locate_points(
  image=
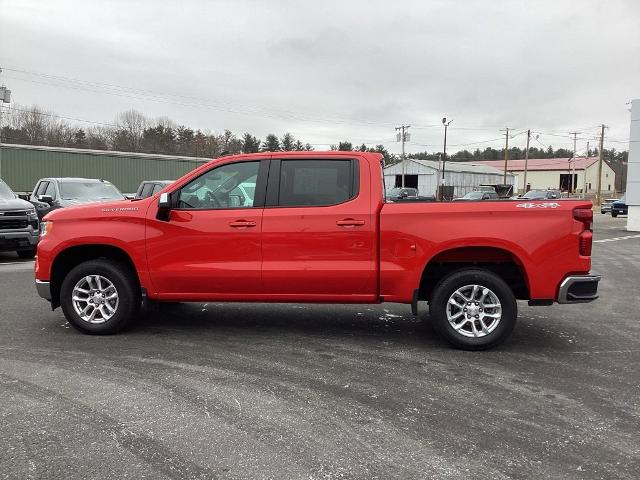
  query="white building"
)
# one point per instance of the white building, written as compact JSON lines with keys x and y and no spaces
{"x":555,"y":173}
{"x":425,"y":176}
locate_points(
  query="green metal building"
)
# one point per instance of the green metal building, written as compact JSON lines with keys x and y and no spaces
{"x":21,"y":166}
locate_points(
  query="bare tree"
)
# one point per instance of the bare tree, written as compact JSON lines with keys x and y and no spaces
{"x":130,"y":127}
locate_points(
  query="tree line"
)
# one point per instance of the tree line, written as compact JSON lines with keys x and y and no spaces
{"x":132,"y":131}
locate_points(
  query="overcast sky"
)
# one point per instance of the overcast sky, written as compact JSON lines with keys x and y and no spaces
{"x":328,"y":71}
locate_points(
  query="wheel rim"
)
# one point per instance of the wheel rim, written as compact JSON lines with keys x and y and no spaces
{"x":95,"y":299}
{"x":474,"y":311}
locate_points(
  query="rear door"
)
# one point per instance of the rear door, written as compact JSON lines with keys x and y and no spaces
{"x":318,"y":232}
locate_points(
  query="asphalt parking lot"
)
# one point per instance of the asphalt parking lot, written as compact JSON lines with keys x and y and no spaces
{"x":324,"y":392}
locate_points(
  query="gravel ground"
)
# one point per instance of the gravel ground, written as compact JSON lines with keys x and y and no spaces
{"x":232,"y":391}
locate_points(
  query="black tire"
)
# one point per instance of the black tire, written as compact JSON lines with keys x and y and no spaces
{"x":614,"y":214}
{"x":26,"y":254}
{"x":458,"y":279}
{"x":128,"y":289}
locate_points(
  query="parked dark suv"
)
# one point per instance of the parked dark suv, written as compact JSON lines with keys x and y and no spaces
{"x":620,"y":207}
{"x":150,"y":187}
{"x":19,"y":226}
{"x":53,"y":193}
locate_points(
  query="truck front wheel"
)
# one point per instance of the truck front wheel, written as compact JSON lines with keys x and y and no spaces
{"x":473,"y":309}
{"x":100,"y":297}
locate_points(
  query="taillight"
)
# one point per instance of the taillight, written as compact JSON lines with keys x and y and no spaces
{"x":585,"y":215}
{"x":586,"y":238}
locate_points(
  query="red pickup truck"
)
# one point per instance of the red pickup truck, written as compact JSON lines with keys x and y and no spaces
{"x":314,"y":227}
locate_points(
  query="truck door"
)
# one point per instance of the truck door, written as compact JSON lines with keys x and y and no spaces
{"x":318,"y":231}
{"x":210,"y":245}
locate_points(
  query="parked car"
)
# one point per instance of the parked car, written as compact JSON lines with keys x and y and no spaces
{"x":150,"y":187}
{"x":539,"y":195}
{"x":53,"y":193}
{"x":503,"y":191}
{"x":19,"y":226}
{"x":478,"y":195}
{"x":605,"y":207}
{"x":620,"y":207}
{"x":408,"y":194}
{"x":316,"y":230}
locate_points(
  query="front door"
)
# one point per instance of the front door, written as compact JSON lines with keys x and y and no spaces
{"x":318,"y":231}
{"x":210,"y":245}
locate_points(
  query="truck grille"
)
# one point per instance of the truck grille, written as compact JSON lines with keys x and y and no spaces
{"x":12,"y":223}
{"x":15,"y":213}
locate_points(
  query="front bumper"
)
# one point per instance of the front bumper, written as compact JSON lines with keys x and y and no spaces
{"x":579,"y":288}
{"x":22,"y":240}
{"x":44,"y":289}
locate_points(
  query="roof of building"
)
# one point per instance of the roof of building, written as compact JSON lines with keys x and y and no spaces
{"x":451,"y":166}
{"x":111,"y":153}
{"x":581,"y":163}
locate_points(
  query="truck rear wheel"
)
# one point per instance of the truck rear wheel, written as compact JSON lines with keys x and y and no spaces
{"x":473,"y":309}
{"x":100,"y":297}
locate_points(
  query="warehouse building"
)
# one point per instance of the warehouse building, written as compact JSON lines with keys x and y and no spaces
{"x":425,"y":175}
{"x":555,"y":173}
{"x":21,"y":166}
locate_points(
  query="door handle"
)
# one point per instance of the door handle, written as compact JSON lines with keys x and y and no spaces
{"x":242,"y":224}
{"x":350,"y":222}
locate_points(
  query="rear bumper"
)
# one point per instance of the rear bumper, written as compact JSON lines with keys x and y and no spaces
{"x":43,"y":289}
{"x":579,"y":288}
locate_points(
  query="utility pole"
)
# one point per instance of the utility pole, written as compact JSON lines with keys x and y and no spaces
{"x":573,"y":163}
{"x":506,"y":154}
{"x":584,"y":188}
{"x":403,"y":136}
{"x":526,"y":162}
{"x":600,"y":155}
{"x":5,"y":97}
{"x":444,"y":154}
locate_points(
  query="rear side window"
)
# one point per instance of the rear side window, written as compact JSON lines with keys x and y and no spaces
{"x":146,"y":190}
{"x":317,"y":182}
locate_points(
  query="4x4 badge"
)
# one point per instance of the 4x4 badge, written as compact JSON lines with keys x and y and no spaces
{"x":538,"y":205}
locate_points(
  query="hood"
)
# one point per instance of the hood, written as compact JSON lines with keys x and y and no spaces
{"x":70,"y":202}
{"x":14,"y":204}
{"x":98,"y":209}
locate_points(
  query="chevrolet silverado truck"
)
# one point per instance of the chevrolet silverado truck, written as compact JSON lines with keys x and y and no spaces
{"x":19,"y":225}
{"x":315,"y":227}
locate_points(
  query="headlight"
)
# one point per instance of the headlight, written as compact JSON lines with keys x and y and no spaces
{"x":45,"y":227}
{"x":31,"y":212}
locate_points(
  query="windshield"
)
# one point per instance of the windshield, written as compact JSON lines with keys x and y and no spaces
{"x":5,"y":192}
{"x":89,"y":191}
{"x":535,"y":194}
{"x":473,"y":196}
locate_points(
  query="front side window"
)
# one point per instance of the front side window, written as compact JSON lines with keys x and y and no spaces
{"x":316,"y":182}
{"x":229,"y":186}
{"x":51,"y":190}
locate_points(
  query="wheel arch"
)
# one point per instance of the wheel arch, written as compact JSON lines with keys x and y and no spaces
{"x":501,"y":261}
{"x":72,"y":256}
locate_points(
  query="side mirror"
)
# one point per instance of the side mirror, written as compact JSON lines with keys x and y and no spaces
{"x":45,"y":199}
{"x":164,"y":207}
{"x":164,"y":201}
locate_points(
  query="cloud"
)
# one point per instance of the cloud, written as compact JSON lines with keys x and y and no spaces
{"x":329,"y":71}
